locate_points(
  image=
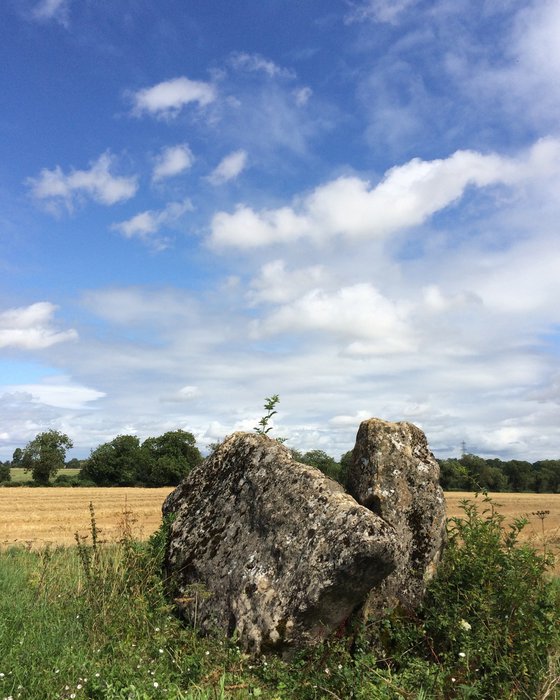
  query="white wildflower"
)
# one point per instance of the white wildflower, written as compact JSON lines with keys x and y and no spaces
{"x":462,"y":654}
{"x":465,"y":625}
{"x":156,"y":684}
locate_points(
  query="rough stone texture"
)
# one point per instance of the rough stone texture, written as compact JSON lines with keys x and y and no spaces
{"x":284,"y":555}
{"x":394,"y":474}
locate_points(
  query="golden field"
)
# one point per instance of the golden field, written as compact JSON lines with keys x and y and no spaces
{"x":39,"y":516}
{"x":35,"y":517}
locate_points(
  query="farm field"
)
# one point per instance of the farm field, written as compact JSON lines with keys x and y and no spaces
{"x":20,"y":475}
{"x":38,"y":516}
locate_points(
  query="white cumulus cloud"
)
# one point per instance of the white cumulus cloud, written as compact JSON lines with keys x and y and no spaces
{"x":97,"y":183}
{"x":358,"y":312}
{"x":30,"y":327}
{"x":407,"y":196}
{"x":147,"y":224}
{"x":229,"y":168}
{"x":166,"y":99}
{"x":172,"y":161}
{"x":277,"y":285}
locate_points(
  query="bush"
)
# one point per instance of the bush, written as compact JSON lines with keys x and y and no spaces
{"x":67,"y":480}
{"x":490,"y":617}
{"x":4,"y":472}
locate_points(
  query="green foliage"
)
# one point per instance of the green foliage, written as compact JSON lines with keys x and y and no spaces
{"x":169,"y":458}
{"x":322,"y":461}
{"x":17,"y":457}
{"x":158,"y":461}
{"x":471,"y":472}
{"x":115,"y":463}
{"x":5,"y":475}
{"x":345,"y":464}
{"x":75,"y":464}
{"x":45,"y":455}
{"x":93,"y":622}
{"x":264,"y":427}
{"x":490,"y":618}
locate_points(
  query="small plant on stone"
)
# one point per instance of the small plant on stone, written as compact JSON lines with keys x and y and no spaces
{"x":264,"y":427}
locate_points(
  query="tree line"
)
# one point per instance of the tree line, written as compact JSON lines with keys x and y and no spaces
{"x":471,"y":472}
{"x":124,"y":461}
{"x":167,"y":459}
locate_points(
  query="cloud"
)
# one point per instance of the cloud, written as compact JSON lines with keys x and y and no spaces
{"x":172,"y":161}
{"x":52,"y":10}
{"x":147,"y":224}
{"x":97,"y":183}
{"x":132,"y":306}
{"x":165,"y":100}
{"x":302,"y":95}
{"x":355,"y":312}
{"x":30,"y":327}
{"x":257,"y":63}
{"x":57,"y":392}
{"x":186,"y":393}
{"x":407,"y":196}
{"x":277,"y":285}
{"x":378,"y":10}
{"x":229,"y":168}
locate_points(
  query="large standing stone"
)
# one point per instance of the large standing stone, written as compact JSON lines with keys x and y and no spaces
{"x":283,"y":554}
{"x":394,"y":474}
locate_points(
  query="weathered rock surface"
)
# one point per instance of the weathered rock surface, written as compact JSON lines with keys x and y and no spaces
{"x":284,"y":554}
{"x":395,"y":475}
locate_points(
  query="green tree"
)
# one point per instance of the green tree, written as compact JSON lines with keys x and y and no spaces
{"x":520,"y":475}
{"x":453,"y":476}
{"x":345,"y":463}
{"x":547,"y":476}
{"x":74,"y":463}
{"x":115,"y":463}
{"x":4,"y":471}
{"x":169,"y":458}
{"x":45,"y":455}
{"x":17,"y":457}
{"x":321,"y":460}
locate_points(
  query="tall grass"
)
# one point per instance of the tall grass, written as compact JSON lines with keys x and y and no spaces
{"x":93,"y":621}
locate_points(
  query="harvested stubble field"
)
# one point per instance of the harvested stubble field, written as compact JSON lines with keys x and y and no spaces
{"x":36,"y":517}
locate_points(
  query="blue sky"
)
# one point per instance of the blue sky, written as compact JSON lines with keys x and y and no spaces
{"x":353,"y":204}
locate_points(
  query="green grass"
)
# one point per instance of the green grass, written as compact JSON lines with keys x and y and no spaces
{"x":19,"y":475}
{"x":92,"y":621}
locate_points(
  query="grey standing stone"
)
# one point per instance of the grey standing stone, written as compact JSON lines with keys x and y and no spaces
{"x":394,"y":474}
{"x":272,"y":550}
